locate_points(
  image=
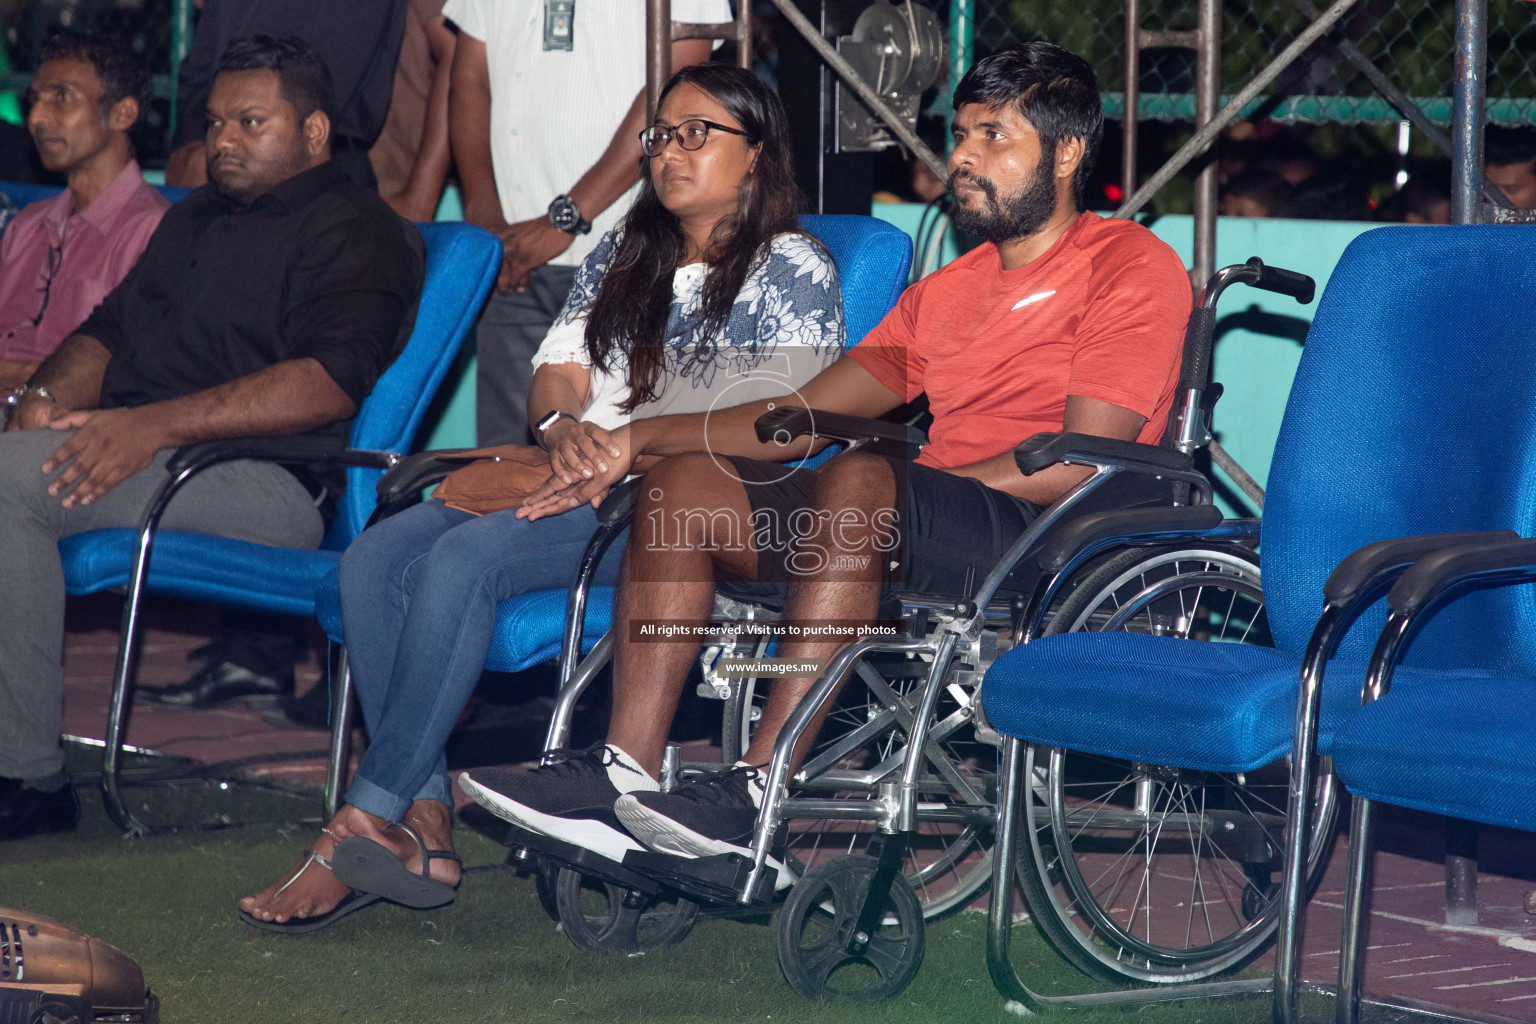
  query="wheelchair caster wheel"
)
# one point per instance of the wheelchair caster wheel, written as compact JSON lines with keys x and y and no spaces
{"x":544,"y":875}
{"x":820,"y":952}
{"x":605,"y":918}
{"x":1257,"y":900}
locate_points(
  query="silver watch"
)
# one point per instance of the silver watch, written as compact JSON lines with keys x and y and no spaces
{"x":549,"y":421}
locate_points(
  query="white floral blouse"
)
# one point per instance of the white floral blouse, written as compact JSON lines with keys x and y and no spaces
{"x":786,"y":326}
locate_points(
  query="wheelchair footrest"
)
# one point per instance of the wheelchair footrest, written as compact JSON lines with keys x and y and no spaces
{"x":580,"y":859}
{"x":718,"y":879}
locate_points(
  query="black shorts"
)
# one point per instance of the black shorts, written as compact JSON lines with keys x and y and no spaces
{"x":950,"y":533}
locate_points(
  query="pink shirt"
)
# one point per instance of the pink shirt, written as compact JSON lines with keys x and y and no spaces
{"x":90,"y":253}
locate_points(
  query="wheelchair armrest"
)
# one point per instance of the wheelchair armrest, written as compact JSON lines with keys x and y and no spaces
{"x":1126,"y":526}
{"x":416,"y":473}
{"x":1044,"y":450}
{"x":1502,"y":559}
{"x":618,"y":506}
{"x":1367,"y":567}
{"x":788,"y":422}
{"x":294,"y":450}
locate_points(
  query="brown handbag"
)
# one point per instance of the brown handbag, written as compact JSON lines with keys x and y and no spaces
{"x":495,"y":478}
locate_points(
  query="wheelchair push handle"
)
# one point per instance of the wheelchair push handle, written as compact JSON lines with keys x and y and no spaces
{"x":1285,"y":282}
{"x":1201,"y":330}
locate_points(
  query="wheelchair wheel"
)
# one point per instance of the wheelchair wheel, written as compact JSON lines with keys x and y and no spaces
{"x":861,"y":746}
{"x":1153,"y":873}
{"x":604,"y":918}
{"x":821,"y":955}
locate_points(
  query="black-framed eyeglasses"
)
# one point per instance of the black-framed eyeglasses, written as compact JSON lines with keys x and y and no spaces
{"x":691,"y":134}
{"x":55,"y":257}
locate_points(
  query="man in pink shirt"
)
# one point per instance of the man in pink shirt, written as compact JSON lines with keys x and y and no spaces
{"x":61,"y":256}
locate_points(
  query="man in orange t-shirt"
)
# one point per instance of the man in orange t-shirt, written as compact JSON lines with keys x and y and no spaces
{"x":1062,"y":320}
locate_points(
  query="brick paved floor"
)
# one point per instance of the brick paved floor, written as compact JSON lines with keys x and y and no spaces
{"x":1488,"y":969}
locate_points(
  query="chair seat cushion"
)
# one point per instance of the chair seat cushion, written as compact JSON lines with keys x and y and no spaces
{"x":1211,"y":706}
{"x":528,"y":628}
{"x":1453,"y":743}
{"x":199,"y":567}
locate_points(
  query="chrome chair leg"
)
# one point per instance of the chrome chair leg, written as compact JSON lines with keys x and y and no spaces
{"x":127,"y":655}
{"x":1357,"y":904}
{"x":122,"y":700}
{"x":1005,"y":853}
{"x":341,"y":733}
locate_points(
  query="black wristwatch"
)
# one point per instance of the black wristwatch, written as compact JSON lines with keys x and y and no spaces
{"x":564,"y":214}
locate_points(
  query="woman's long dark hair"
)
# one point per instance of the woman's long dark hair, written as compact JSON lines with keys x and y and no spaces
{"x":634,"y":298}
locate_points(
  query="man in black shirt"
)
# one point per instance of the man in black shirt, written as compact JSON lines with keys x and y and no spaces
{"x":266,"y":303}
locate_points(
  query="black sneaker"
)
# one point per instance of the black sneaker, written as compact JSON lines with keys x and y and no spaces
{"x":714,"y":814}
{"x":570,"y":800}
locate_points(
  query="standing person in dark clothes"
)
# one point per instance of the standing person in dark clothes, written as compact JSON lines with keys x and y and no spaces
{"x":359,"y":44}
{"x":268,"y":303}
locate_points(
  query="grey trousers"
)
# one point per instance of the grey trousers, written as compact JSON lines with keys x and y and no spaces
{"x":510,"y":331}
{"x":244,"y":500}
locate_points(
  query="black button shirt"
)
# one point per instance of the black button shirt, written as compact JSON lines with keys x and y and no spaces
{"x":318,"y":267}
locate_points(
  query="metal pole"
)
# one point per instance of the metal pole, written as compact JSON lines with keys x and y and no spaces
{"x":1460,"y":872}
{"x":1130,"y":119}
{"x":1467,"y":109}
{"x":744,"y":45}
{"x":868,"y":96}
{"x":181,"y":42}
{"x":658,"y":52}
{"x":962,"y":45}
{"x":1207,"y":99}
{"x":1234,"y":107}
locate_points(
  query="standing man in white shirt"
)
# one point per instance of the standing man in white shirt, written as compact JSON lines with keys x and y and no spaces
{"x":547,"y":106}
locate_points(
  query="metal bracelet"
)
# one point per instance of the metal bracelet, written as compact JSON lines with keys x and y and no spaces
{"x":15,"y":397}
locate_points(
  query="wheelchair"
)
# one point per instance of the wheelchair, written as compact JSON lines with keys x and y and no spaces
{"x":891,"y":818}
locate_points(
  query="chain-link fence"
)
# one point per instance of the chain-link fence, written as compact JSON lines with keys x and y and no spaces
{"x":1411,"y":41}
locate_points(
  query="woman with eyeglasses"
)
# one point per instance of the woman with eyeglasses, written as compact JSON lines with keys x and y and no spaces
{"x":706,"y":295}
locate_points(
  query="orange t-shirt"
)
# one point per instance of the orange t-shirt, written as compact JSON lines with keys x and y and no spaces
{"x":1101,"y":314}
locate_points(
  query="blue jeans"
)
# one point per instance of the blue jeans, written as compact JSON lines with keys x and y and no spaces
{"x":418,"y":602}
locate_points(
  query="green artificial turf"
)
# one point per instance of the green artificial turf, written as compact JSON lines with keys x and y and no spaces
{"x":493,"y":955}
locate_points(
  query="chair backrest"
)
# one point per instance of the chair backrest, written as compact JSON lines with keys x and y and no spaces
{"x":1413,"y":411}
{"x":23,"y":195}
{"x":872,"y":259}
{"x":462,"y":261}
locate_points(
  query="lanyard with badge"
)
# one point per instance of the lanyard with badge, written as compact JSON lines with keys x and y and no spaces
{"x":559,"y":24}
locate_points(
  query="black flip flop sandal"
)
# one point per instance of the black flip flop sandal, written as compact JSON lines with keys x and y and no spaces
{"x":350,"y":903}
{"x":370,"y":867}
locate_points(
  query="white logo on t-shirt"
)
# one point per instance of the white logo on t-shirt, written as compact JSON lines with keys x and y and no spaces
{"x":1037,"y":297}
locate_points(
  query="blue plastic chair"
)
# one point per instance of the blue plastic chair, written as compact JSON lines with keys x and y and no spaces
{"x":873,"y":259}
{"x":24,"y":195}
{"x":1411,"y":413}
{"x":461,"y":267}
{"x":1452,"y":739}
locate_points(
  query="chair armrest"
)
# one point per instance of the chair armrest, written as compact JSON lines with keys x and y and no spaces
{"x":1377,"y":564}
{"x":415,"y":473}
{"x":618,"y":507}
{"x":293,"y":450}
{"x":1502,"y":559}
{"x":1044,"y":450}
{"x":788,"y":422}
{"x":1127,"y":527}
